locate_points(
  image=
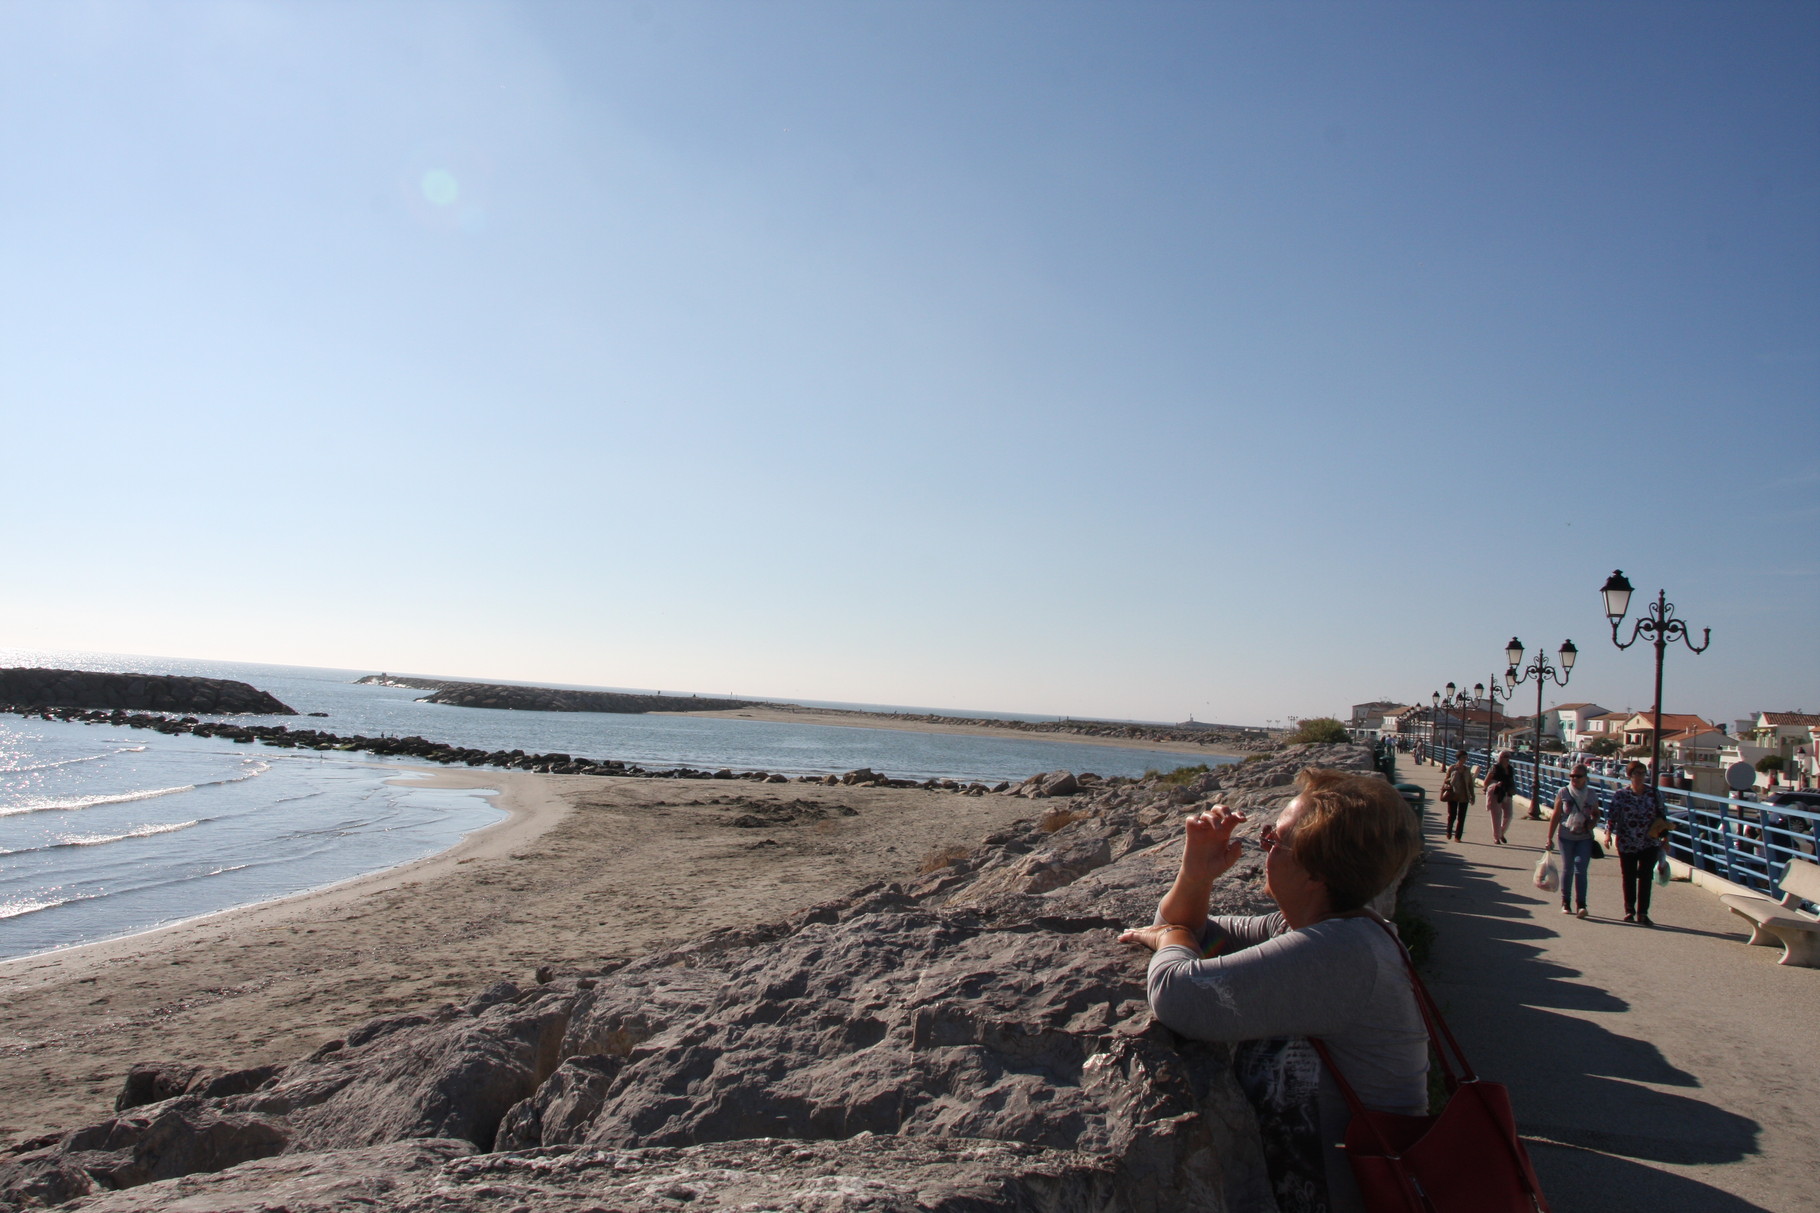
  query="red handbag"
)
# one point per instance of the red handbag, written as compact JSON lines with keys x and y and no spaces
{"x":1466,"y":1159}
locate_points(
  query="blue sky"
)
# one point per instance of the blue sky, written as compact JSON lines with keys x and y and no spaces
{"x":1107,"y":359}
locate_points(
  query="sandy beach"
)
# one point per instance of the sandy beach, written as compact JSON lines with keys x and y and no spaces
{"x":583,"y":871}
{"x":904,"y":724}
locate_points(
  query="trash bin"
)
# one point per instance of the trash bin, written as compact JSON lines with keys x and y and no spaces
{"x":1415,"y":795}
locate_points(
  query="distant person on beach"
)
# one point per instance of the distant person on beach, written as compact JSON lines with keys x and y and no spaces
{"x":1628,"y":817}
{"x":1457,"y":792}
{"x":1575,"y":817}
{"x":1321,"y":966}
{"x":1500,"y":785}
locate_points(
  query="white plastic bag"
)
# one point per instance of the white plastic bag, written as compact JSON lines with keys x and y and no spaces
{"x":1662,"y":872}
{"x":1548,"y":873}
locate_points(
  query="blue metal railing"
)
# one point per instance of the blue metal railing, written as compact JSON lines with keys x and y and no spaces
{"x":1745,"y":841}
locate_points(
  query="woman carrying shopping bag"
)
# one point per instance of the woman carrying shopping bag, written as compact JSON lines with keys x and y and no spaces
{"x":1572,"y":823}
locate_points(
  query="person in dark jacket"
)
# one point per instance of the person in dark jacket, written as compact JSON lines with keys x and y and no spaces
{"x":1500,"y":786}
{"x":1457,"y":792}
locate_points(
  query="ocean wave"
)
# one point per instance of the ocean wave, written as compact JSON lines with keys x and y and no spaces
{"x":95,"y":840}
{"x":255,"y":769}
{"x":22,"y":906}
{"x":70,"y":762}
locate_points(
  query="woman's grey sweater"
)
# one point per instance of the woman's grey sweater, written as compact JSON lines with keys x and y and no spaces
{"x":1341,"y":981}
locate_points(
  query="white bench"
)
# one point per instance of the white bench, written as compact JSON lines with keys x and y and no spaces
{"x":1780,"y":922}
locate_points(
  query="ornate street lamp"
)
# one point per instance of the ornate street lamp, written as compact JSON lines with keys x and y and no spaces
{"x":1455,"y":703}
{"x":1661,"y":626}
{"x":1542,"y":672}
{"x":1434,"y":725}
{"x":1451,"y":700}
{"x":1491,"y":709}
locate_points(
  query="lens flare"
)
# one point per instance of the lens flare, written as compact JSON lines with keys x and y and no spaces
{"x":445,"y":186}
{"x":440,"y":187}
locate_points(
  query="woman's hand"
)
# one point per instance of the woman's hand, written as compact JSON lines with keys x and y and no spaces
{"x":1159,"y":935}
{"x":1207,"y":852}
{"x":1210,"y":848}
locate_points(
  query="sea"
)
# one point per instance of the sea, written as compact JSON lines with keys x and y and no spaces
{"x":106,"y":830}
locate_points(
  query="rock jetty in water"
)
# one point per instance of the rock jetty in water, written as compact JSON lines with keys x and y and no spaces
{"x":972,"y":1038}
{"x":552,"y":699}
{"x":22,"y":688}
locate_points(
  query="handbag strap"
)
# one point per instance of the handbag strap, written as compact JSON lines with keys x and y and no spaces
{"x":1438,"y":1031}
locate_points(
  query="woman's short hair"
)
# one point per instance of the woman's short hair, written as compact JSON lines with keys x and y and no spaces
{"x":1354,"y":835}
{"x":1636,"y":767}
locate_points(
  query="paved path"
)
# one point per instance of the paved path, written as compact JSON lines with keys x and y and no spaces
{"x":1670,"y":1070}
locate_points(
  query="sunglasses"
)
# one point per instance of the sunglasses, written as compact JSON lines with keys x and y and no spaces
{"x":1267,"y":839}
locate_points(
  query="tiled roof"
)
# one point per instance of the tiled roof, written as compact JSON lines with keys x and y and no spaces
{"x":1689,"y":734}
{"x":1794,"y":718}
{"x":1671,"y":721}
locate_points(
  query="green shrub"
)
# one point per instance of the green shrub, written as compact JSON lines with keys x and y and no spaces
{"x":1179,"y":776}
{"x":1768,"y":763}
{"x":1324,"y":729}
{"x":1603,"y":747}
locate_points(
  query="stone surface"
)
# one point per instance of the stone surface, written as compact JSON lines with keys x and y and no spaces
{"x":42,"y":688}
{"x":973,"y":1039}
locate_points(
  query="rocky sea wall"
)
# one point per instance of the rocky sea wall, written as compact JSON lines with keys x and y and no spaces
{"x":1219,"y":738}
{"x":419,"y":749}
{"x":41,"y":688}
{"x":513,"y":698}
{"x":970,"y":1038}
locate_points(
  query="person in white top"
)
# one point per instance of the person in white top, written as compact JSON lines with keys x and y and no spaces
{"x":1576,"y":814}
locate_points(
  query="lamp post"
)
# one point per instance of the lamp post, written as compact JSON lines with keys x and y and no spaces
{"x":1660,"y":625}
{"x":1542,"y":672}
{"x":1454,"y":703}
{"x":1491,"y":710}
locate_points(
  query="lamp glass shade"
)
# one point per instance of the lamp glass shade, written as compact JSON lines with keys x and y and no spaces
{"x":1450,"y":692}
{"x":1514,"y":652}
{"x":1617,"y":595}
{"x":1478,"y":690}
{"x":1568,"y":654}
{"x":1510,"y":676}
{"x":1437,"y":698}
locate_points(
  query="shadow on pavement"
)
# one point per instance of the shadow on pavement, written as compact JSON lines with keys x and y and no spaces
{"x":1574,"y":1082}
{"x":1585,"y":1181}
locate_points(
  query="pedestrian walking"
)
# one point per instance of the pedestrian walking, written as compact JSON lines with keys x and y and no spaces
{"x":1572,"y":823}
{"x":1458,"y":792}
{"x":1630,"y":818}
{"x":1500,"y":785}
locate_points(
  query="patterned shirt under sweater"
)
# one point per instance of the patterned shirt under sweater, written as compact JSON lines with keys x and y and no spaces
{"x":1628,"y":815}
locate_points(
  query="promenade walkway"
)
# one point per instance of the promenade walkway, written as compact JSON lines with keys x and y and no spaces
{"x":1654,"y":1070}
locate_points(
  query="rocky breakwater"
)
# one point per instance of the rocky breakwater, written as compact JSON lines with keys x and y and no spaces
{"x":39,"y":688}
{"x":420,"y":749}
{"x":972,"y":1038}
{"x":1223,"y":738}
{"x":553,"y":699}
